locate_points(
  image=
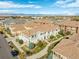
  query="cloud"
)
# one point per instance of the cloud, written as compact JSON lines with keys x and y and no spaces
{"x":9,"y":4}
{"x":63,"y":12}
{"x":44,"y":12}
{"x":74,"y":4}
{"x":7,"y":11}
{"x":66,"y":7}
{"x":31,"y":2}
{"x":67,"y":3}
{"x":69,"y":13}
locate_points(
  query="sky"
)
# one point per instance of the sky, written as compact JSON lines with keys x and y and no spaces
{"x":55,"y":7}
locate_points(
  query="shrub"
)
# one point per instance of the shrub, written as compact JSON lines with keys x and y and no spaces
{"x":28,"y":53}
{"x":17,"y":40}
{"x":58,"y":36}
{"x":51,"y":37}
{"x":68,"y":33}
{"x":61,"y":32}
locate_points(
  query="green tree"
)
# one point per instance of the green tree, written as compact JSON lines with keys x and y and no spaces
{"x":31,"y":45}
{"x":40,"y":44}
{"x":8,"y":31}
{"x":21,"y":41}
{"x":50,"y":56}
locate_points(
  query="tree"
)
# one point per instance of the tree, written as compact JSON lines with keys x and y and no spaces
{"x":50,"y":56}
{"x":8,"y":31}
{"x":40,"y":43}
{"x":21,"y":41}
{"x":31,"y":45}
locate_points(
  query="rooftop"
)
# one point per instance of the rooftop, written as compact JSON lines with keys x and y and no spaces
{"x":69,"y":23}
{"x":33,"y":27}
{"x":69,"y":47}
{"x":14,"y":21}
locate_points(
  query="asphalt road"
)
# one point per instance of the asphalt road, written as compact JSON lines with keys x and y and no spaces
{"x":4,"y":49}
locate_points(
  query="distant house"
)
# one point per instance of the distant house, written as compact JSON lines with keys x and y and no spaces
{"x":69,"y":25}
{"x":34,"y":31}
{"x":9,"y":21}
{"x":67,"y":48}
{"x":37,"y":17}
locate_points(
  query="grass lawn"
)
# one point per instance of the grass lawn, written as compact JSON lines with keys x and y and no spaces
{"x":58,"y":36}
{"x":53,"y":38}
{"x":25,"y":48}
{"x":38,"y":47}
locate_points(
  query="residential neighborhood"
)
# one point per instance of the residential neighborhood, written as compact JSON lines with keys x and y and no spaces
{"x":42,"y":38}
{"x":39,"y":29}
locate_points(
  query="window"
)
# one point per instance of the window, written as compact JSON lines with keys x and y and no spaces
{"x":48,"y":32}
{"x":41,"y":33}
{"x":32,"y":36}
{"x":44,"y":37}
{"x":44,"y":32}
{"x":35,"y":35}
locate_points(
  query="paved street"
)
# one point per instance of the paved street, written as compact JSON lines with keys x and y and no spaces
{"x":4,"y":49}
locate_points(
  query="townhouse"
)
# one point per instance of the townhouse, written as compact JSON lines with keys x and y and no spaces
{"x":69,"y":25}
{"x":34,"y":31}
{"x":68,"y":48}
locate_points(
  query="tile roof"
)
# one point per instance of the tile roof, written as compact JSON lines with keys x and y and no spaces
{"x":69,"y":47}
{"x":33,"y":27}
{"x":69,"y":23}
